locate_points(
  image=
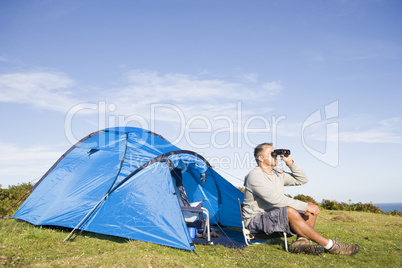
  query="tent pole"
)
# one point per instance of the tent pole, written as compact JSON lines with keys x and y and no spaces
{"x":85,"y":218}
{"x":121,"y":164}
{"x":104,"y":198}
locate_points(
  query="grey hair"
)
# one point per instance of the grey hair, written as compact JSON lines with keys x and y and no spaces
{"x":258,"y":150}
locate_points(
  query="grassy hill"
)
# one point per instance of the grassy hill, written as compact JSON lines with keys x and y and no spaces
{"x":379,"y":236}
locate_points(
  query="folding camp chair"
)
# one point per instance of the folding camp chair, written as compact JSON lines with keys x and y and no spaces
{"x":190,"y":208}
{"x":206,"y":225}
{"x":248,"y":235}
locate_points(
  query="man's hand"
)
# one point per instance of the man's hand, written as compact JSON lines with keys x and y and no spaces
{"x":313,"y":208}
{"x":287,"y":159}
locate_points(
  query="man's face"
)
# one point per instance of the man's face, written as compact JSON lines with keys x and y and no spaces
{"x":266,"y":158}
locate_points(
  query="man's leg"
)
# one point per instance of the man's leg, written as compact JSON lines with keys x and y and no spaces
{"x":310,"y":219}
{"x":305,"y":228}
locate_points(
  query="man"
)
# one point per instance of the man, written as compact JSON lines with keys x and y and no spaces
{"x":267,"y":209}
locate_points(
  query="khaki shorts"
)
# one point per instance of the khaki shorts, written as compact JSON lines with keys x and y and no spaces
{"x":272,"y":221}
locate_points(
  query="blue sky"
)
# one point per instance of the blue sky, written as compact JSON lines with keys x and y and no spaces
{"x":322,"y":78}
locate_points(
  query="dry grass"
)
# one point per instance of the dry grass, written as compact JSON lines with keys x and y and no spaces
{"x":343,"y":217}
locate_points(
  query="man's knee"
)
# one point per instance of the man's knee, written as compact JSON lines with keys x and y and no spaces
{"x":293,"y":213}
{"x":313,"y":209}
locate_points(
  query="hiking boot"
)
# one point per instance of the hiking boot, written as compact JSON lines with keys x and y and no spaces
{"x":306,"y":247}
{"x":344,"y":249}
{"x":314,"y":249}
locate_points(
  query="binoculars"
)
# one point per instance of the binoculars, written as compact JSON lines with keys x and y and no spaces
{"x":277,"y":152}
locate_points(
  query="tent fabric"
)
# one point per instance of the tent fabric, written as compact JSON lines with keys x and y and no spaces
{"x":118,"y":182}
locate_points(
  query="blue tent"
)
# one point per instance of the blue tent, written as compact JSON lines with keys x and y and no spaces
{"x":118,"y":182}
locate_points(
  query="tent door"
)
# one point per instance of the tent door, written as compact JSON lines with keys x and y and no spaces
{"x":192,"y":219}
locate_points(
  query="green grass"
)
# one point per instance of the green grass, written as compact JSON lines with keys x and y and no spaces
{"x":379,"y":237}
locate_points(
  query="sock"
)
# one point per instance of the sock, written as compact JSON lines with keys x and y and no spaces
{"x":330,"y":244}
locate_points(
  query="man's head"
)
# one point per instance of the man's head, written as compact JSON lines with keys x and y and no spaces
{"x":262,"y":154}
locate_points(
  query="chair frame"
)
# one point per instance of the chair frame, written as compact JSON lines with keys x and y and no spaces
{"x":176,"y":174}
{"x":207,"y":225}
{"x":248,"y":235}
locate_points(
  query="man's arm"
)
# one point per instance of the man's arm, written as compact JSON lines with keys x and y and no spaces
{"x":300,"y":177}
{"x":268,"y":191}
{"x":297,"y":177}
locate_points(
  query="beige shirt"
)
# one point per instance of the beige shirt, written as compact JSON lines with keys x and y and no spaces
{"x":264,"y":192}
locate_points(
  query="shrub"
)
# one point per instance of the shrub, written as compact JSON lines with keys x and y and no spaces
{"x":334,"y":205}
{"x":12,"y":198}
{"x":241,"y":189}
{"x":305,"y":198}
{"x":395,"y":213}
